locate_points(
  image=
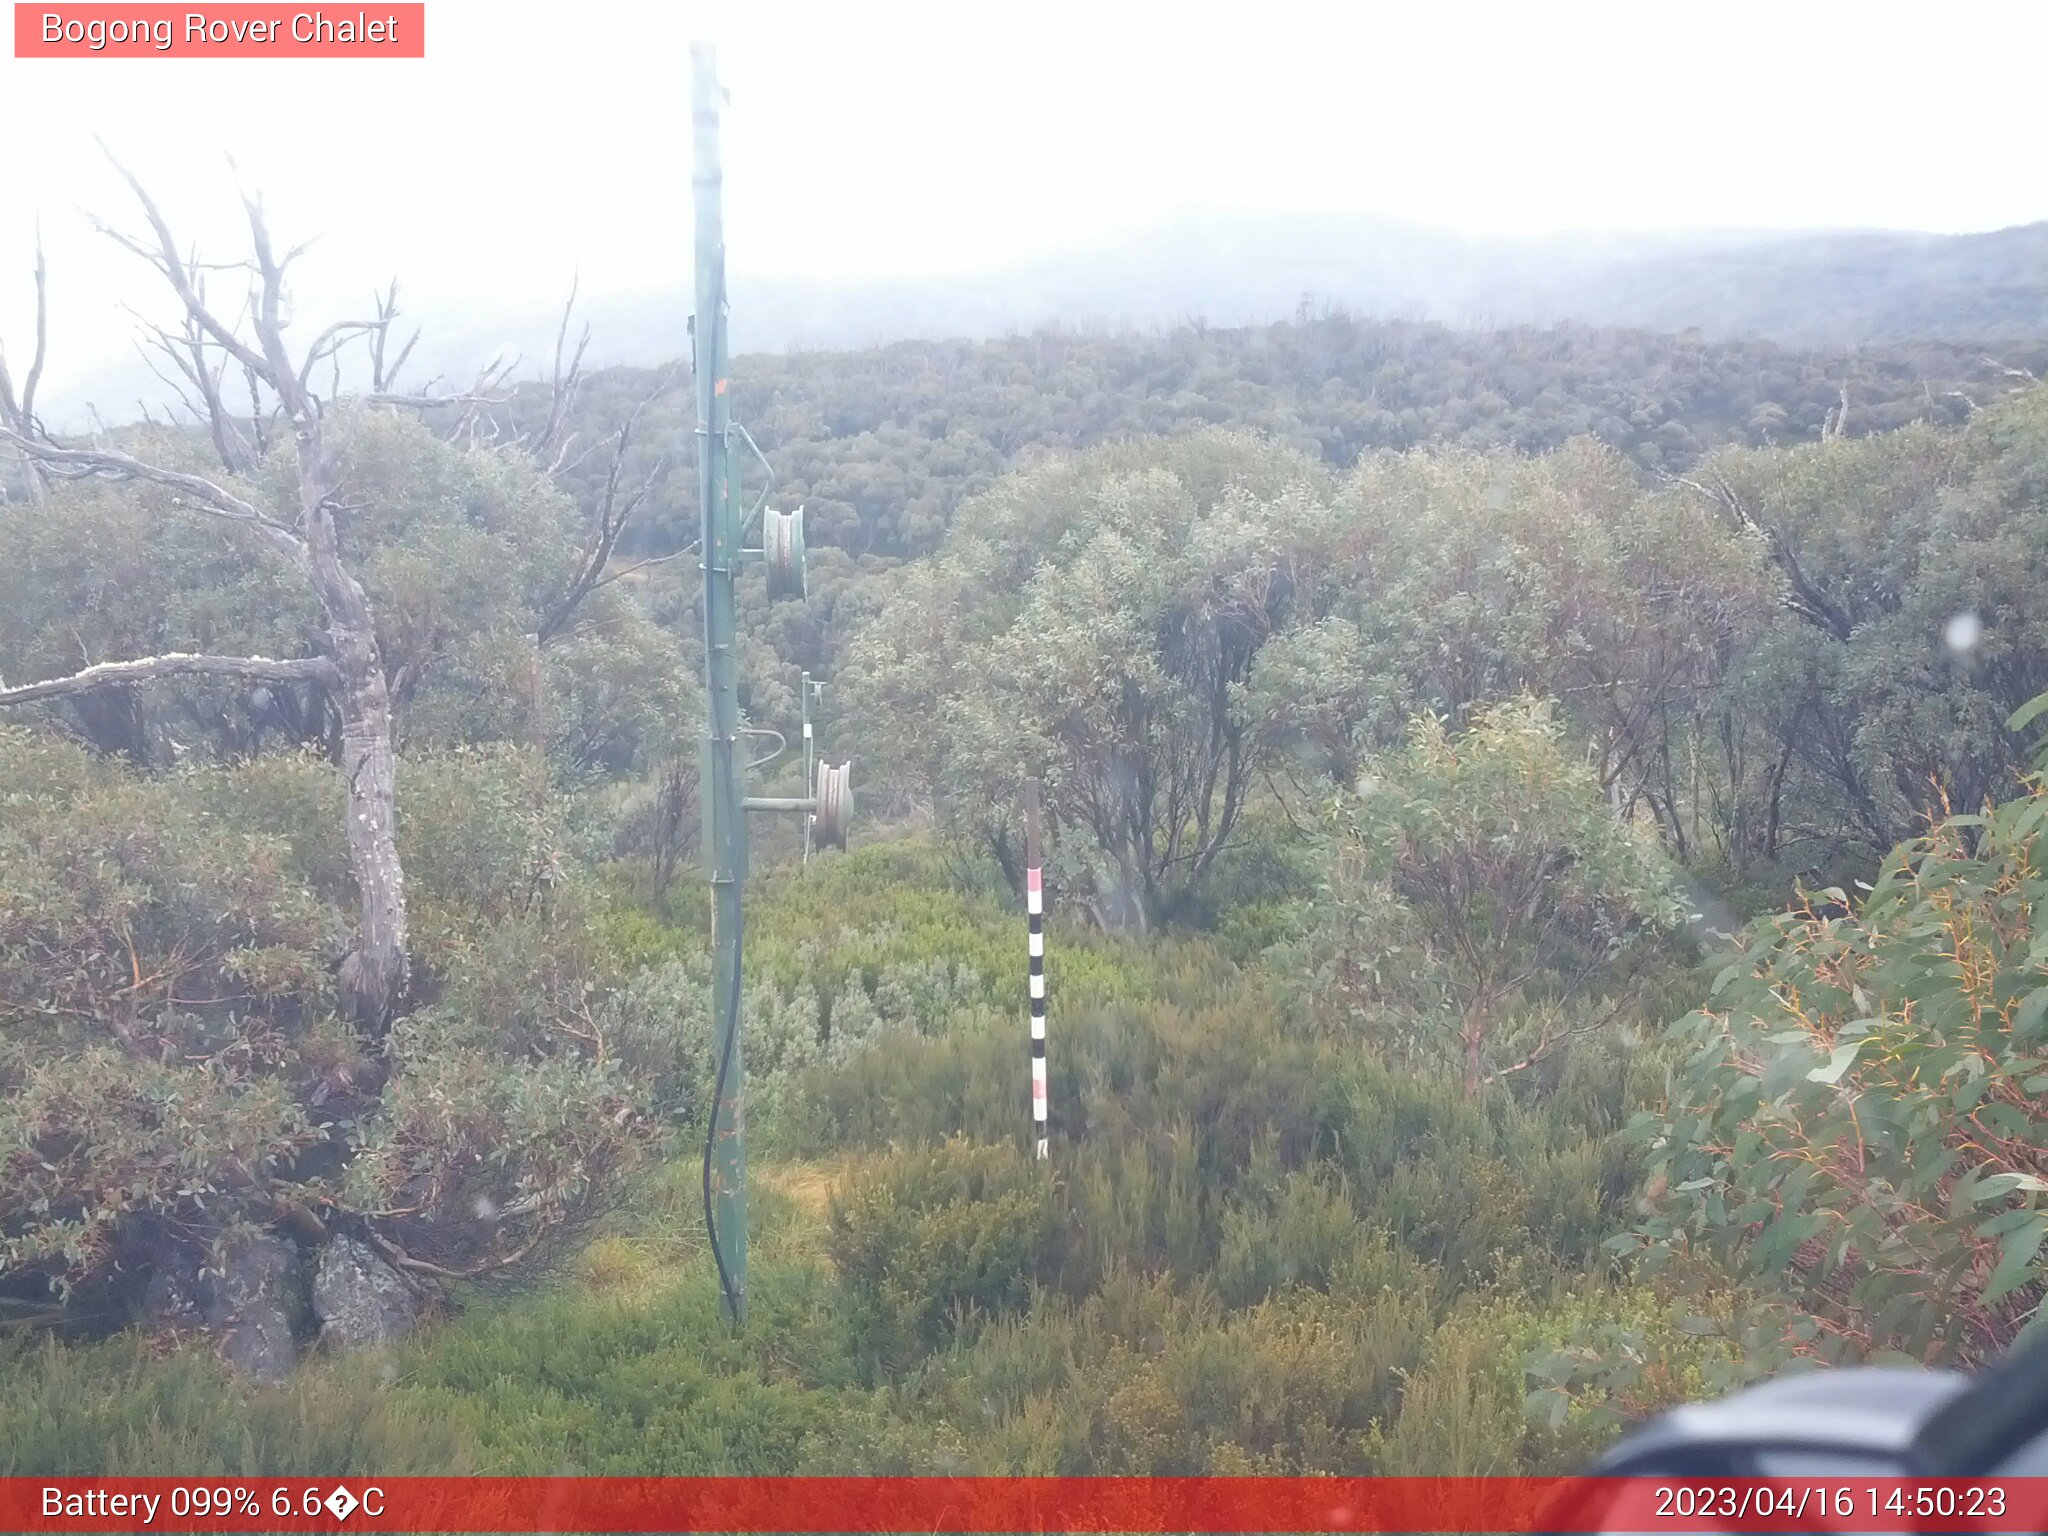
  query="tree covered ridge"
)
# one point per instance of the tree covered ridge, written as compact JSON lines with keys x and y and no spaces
{"x":1788,"y":659}
{"x":883,"y":444}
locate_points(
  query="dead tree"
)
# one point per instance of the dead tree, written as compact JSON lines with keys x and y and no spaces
{"x":594,"y":569}
{"x":207,"y":350}
{"x":18,"y":411}
{"x":1804,"y":596}
{"x":205,"y":360}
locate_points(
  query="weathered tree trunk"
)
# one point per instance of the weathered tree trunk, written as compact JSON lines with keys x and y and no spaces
{"x":1472,"y":1035}
{"x":18,"y":411}
{"x":32,"y":478}
{"x":375,"y":974}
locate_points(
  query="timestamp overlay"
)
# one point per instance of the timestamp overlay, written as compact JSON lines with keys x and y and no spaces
{"x":1000,"y":1504}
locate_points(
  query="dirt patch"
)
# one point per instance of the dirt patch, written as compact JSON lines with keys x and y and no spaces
{"x":808,"y":1184}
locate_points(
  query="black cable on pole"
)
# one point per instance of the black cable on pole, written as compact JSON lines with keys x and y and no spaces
{"x":721,"y":766}
{"x":732,"y":1035}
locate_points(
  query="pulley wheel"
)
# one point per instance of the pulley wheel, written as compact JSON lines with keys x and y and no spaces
{"x":782,"y":539}
{"x":835,"y":805}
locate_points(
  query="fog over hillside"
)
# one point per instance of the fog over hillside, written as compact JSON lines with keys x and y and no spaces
{"x":1212,"y":267}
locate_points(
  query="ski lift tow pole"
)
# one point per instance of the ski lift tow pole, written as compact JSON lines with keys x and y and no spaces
{"x":724,"y":767}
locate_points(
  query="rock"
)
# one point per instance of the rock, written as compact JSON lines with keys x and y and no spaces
{"x":255,"y":1304}
{"x":171,"y":1300}
{"x":158,"y":1275}
{"x":360,"y":1300}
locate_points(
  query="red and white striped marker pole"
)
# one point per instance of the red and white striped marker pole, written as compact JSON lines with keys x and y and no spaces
{"x":1034,"y":907}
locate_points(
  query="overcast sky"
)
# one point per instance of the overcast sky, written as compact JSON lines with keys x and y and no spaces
{"x":539,"y":139}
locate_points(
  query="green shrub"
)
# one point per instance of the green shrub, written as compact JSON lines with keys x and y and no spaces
{"x":929,"y":1243}
{"x":1480,"y":906}
{"x":164,"y":1005}
{"x":168,"y":1041}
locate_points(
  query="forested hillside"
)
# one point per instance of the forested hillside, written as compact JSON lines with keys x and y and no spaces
{"x":882,"y":444}
{"x":1411,"y":709}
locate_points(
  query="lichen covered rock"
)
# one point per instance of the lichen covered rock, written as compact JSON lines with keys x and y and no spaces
{"x":362,"y":1301}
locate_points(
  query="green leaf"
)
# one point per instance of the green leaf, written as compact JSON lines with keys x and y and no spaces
{"x":2015,"y":1259}
{"x":2030,"y":1019}
{"x":2027,"y":713}
{"x":2036,"y":1326}
{"x":1962,"y":1194}
{"x":1785,"y":1071}
{"x":1838,"y":1063}
{"x":2004,"y":1222}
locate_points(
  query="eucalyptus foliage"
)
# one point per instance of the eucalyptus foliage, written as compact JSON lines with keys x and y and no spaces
{"x":1858,"y":1123}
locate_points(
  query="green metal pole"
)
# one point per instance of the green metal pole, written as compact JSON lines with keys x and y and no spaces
{"x":725,"y":850}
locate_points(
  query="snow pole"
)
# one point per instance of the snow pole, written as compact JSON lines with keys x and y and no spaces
{"x":1034,"y":909}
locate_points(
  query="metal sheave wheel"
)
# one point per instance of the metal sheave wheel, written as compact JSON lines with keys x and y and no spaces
{"x":835,"y":805}
{"x":782,"y":538}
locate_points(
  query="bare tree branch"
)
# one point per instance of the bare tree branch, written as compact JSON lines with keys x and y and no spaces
{"x":161,"y":342}
{"x":383,"y":374}
{"x":1805,"y":596}
{"x":330,"y":342}
{"x":563,"y":386}
{"x":111,"y":464}
{"x":428,"y":402}
{"x":485,"y":392}
{"x":298,"y":399}
{"x":188,"y":353}
{"x":612,"y":518}
{"x":164,"y":256}
{"x":1553,"y":1036}
{"x":628,"y":571}
{"x":124,"y":674}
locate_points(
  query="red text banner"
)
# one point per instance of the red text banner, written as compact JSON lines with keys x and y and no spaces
{"x":983,"y":1505}
{"x":225,"y":31}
